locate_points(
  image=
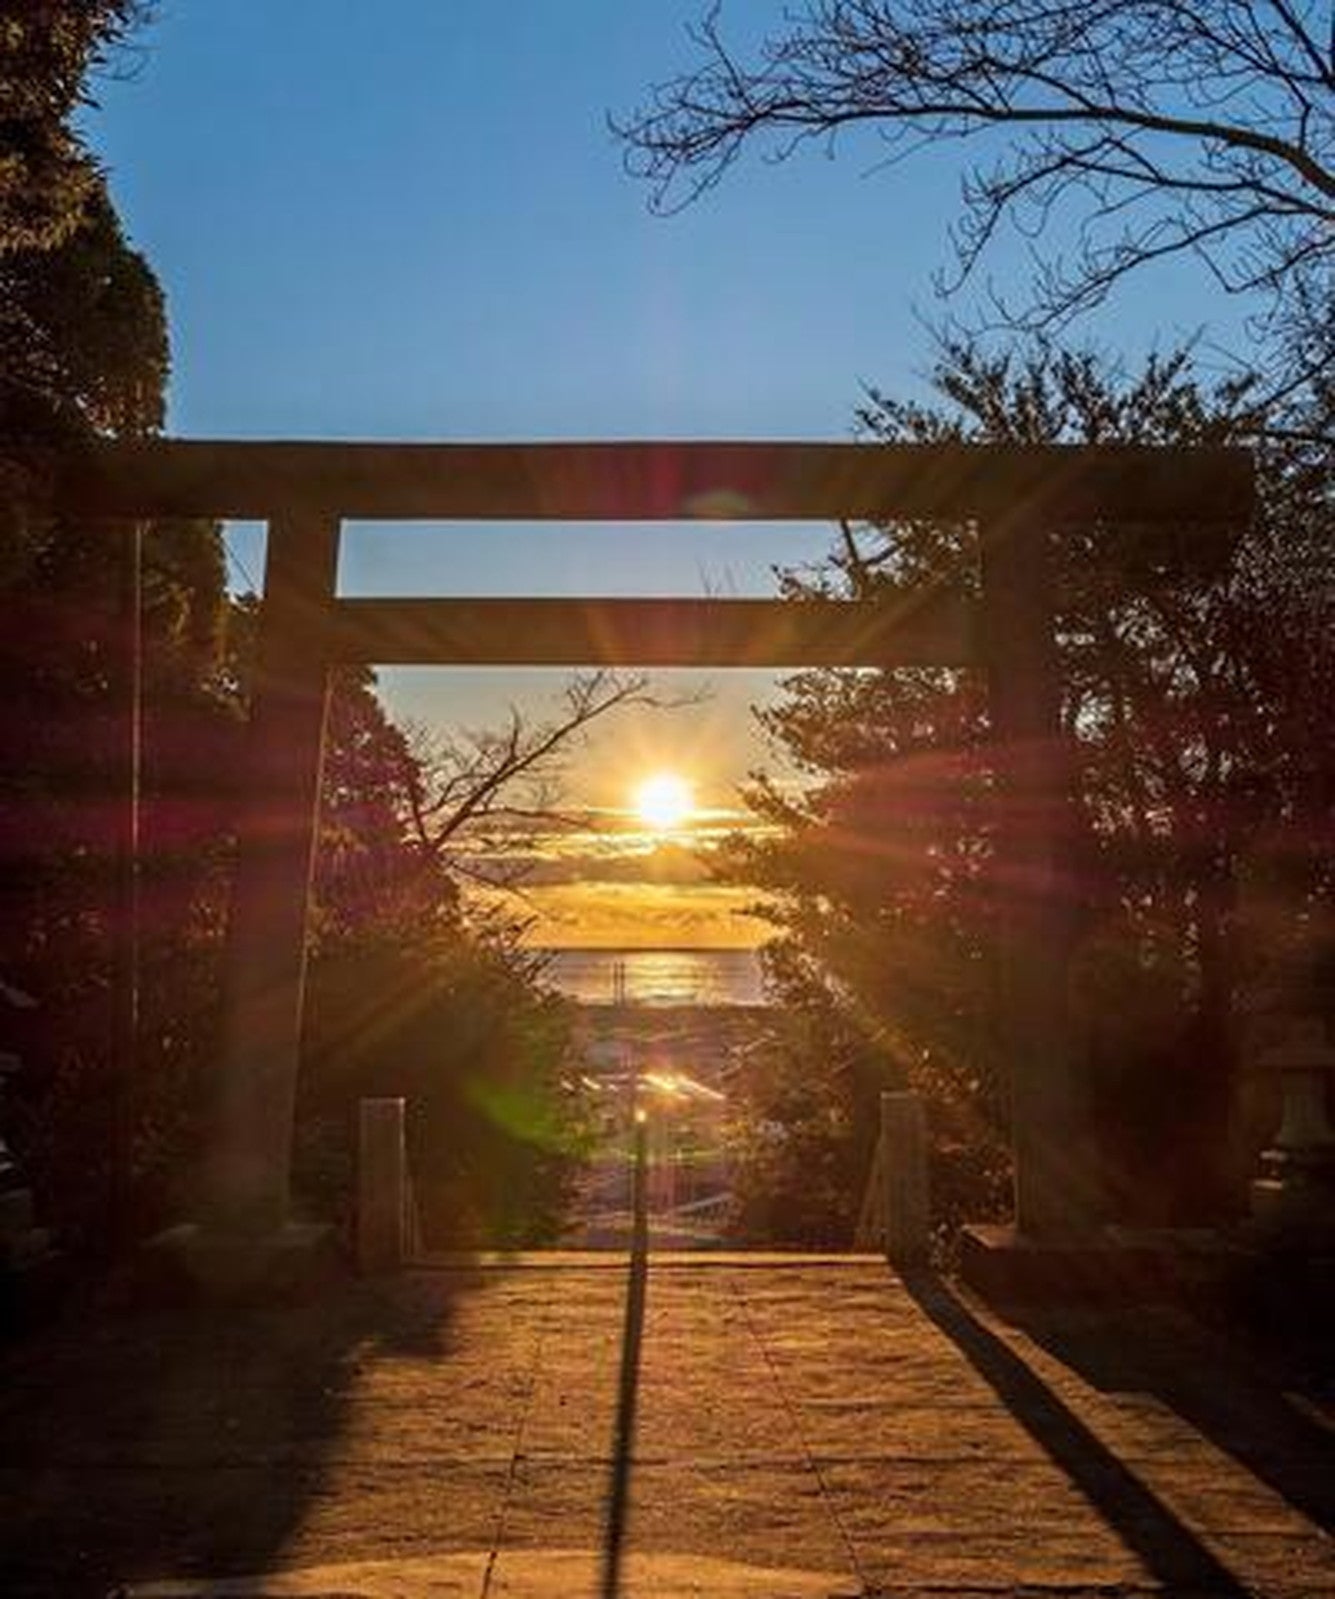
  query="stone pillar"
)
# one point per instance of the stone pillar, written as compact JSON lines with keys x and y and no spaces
{"x":382,"y":1186}
{"x":904,"y":1174}
{"x":1035,"y":885}
{"x":249,"y":1157}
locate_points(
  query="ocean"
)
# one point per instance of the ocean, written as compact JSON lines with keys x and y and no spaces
{"x":658,"y":976}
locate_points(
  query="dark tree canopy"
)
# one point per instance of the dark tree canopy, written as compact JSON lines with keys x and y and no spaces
{"x":83,"y":333}
{"x":407,"y":995}
{"x":48,"y":49}
{"x":1165,"y":127}
{"x":1194,"y":702}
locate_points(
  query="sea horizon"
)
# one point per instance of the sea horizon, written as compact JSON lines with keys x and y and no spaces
{"x":662,"y":976}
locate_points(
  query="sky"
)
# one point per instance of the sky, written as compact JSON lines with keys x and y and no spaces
{"x":409,"y":220}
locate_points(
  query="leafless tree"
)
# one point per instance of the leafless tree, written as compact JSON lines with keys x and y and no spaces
{"x":1165,"y":127}
{"x":481,"y":790}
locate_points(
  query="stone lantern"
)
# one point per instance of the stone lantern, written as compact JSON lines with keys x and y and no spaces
{"x":1293,"y":1200}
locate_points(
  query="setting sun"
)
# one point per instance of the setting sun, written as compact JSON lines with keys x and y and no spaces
{"x":664,"y":801}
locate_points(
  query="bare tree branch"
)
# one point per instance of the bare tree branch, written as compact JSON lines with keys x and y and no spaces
{"x":1173,"y":126}
{"x":507,"y":775}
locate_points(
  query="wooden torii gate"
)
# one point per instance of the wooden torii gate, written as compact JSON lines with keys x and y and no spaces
{"x":1015,"y":495}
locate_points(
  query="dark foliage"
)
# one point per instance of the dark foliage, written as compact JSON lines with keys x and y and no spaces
{"x":111,"y":1140}
{"x":1193,"y":702}
{"x":459,"y":1028}
{"x":49,"y":49}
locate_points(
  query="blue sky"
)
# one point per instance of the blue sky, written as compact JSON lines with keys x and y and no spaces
{"x":408,"y":220}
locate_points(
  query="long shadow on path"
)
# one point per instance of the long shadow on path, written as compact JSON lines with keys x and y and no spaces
{"x":141,"y":1444}
{"x":1170,"y":1550}
{"x":1254,"y":1414}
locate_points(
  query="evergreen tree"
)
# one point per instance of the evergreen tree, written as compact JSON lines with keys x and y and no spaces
{"x":1191,"y":701}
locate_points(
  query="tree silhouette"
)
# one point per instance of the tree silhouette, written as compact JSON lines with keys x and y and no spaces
{"x":1193,"y":701}
{"x":48,"y":51}
{"x":1163,"y":128}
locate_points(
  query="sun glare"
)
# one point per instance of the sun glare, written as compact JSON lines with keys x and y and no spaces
{"x":664,"y":801}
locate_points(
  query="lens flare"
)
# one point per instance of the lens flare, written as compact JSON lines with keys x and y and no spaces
{"x":664,"y":801}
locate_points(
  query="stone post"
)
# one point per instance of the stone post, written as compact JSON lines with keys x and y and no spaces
{"x":904,"y":1174}
{"x":382,"y":1186}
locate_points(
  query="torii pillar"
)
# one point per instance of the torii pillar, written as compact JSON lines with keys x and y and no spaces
{"x":245,"y":1242}
{"x":1036,"y":901}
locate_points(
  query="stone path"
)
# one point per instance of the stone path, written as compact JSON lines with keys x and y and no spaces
{"x":806,"y":1427}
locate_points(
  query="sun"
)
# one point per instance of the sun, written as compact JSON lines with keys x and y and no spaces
{"x":664,"y":801}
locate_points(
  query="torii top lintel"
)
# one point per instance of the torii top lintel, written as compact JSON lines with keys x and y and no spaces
{"x":661,"y":481}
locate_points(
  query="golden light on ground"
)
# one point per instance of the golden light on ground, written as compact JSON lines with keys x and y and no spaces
{"x":664,"y":802}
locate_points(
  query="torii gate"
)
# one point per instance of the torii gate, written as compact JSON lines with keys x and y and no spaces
{"x":1013,"y":494}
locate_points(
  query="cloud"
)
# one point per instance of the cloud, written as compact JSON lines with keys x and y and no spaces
{"x":640,"y":915}
{"x":607,"y":855}
{"x":616,"y":886}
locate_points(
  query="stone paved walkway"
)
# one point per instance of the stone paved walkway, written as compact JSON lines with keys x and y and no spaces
{"x":805,"y":1428}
